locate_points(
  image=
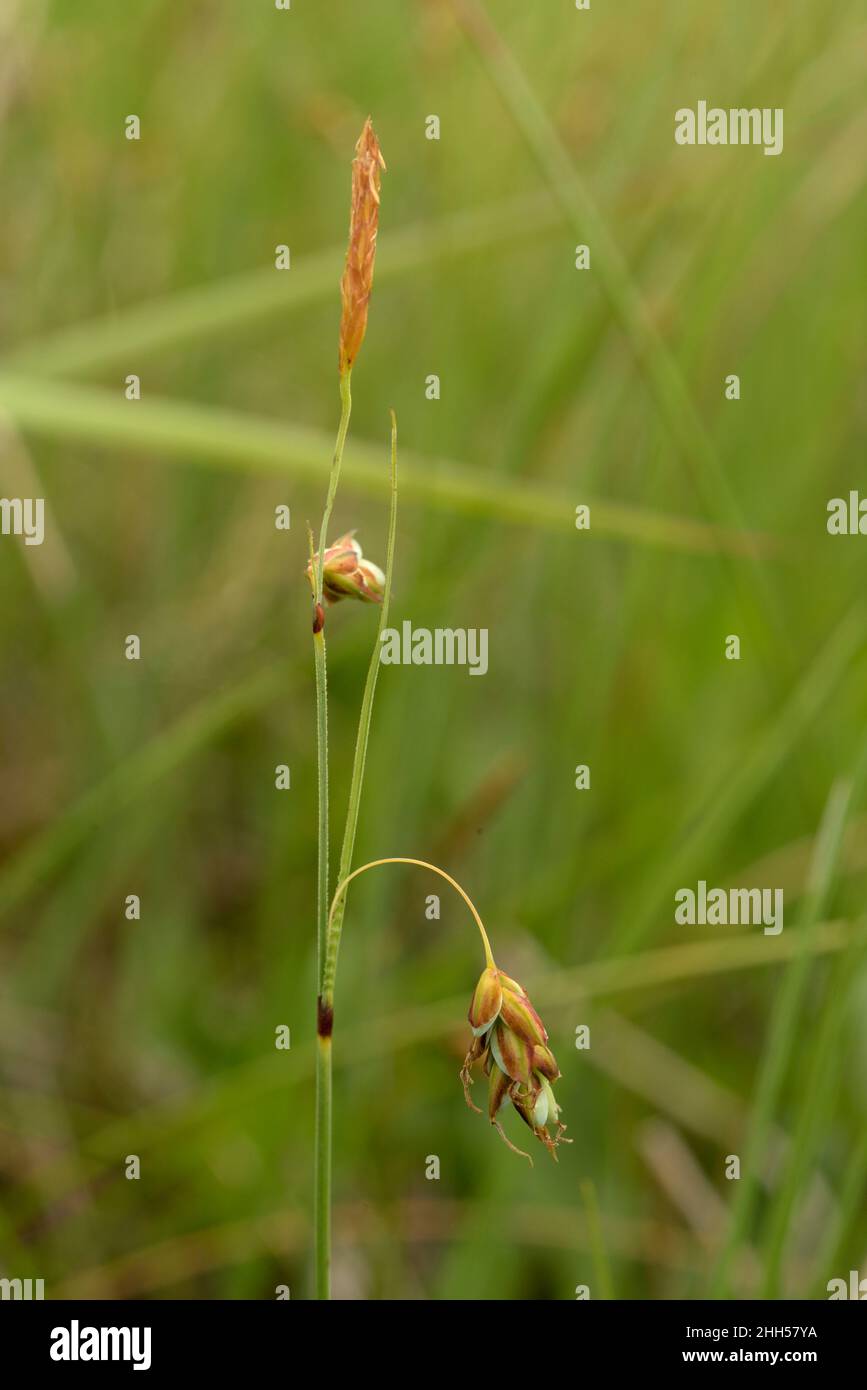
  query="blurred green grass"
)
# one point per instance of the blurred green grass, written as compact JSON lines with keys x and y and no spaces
{"x":157,"y":1037}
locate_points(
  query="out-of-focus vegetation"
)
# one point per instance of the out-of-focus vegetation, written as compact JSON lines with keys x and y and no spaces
{"x":156,"y":1037}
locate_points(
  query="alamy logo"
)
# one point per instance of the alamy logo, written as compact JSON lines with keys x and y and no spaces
{"x":23,"y":516}
{"x":718,"y":907}
{"x":445,"y":646}
{"x":856,"y":1288}
{"x":76,"y":1343}
{"x":847,"y":516}
{"x":737,"y":125}
{"x":22,"y":1288}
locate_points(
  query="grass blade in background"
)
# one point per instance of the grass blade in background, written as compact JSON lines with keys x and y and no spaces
{"x":780,"y":1041}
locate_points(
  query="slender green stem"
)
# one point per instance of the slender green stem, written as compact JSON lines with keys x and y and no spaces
{"x":322,"y":1212}
{"x":322,"y":1142}
{"x":363,"y":735}
{"x":320,"y":667}
{"x":325,"y":1011}
{"x":333,"y":928}
{"x":334,"y":479}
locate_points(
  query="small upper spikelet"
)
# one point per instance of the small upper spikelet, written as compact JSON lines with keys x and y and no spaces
{"x":346,"y":573}
{"x":357,"y":282}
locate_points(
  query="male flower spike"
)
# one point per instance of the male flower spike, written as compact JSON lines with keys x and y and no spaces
{"x":357,"y":282}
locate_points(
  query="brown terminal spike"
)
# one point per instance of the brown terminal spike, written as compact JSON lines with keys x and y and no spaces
{"x":357,"y":282}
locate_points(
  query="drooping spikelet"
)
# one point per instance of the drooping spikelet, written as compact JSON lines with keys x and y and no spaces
{"x":357,"y":281}
{"x":510,"y":1040}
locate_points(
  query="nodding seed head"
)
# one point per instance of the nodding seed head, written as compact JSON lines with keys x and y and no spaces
{"x":510,"y":1041}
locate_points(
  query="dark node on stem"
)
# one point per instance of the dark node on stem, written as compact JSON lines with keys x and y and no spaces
{"x":324,"y":1018}
{"x":318,"y":618}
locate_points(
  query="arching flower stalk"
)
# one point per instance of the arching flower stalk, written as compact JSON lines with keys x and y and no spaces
{"x":509,"y":1038}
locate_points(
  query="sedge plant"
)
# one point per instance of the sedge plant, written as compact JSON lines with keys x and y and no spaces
{"x":509,"y":1041}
